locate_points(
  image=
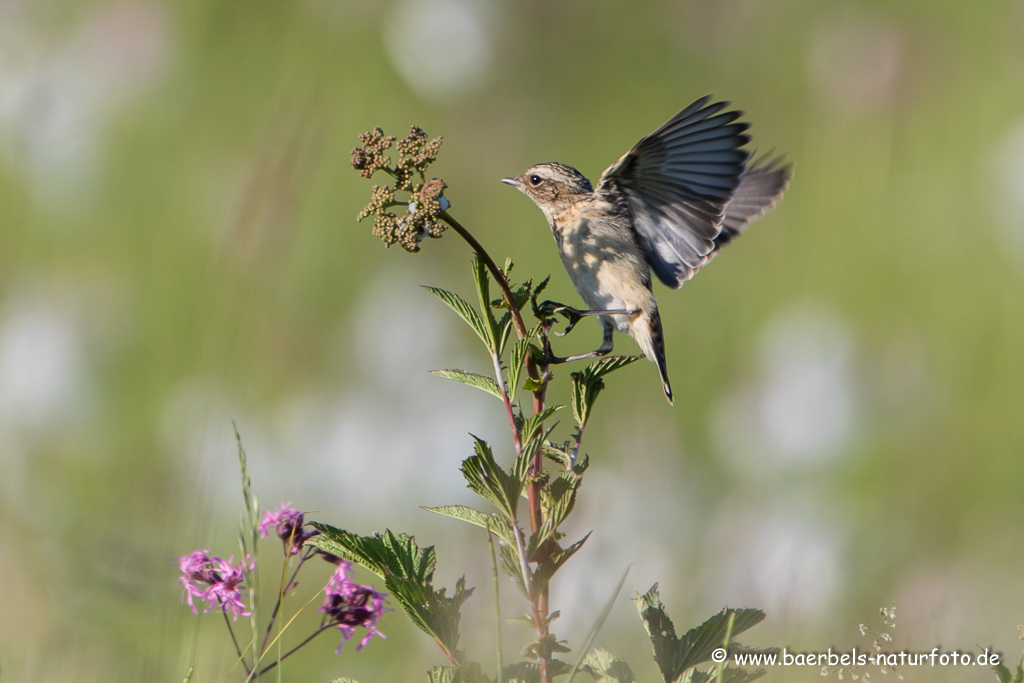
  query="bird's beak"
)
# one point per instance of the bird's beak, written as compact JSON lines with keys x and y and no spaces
{"x":514,"y":182}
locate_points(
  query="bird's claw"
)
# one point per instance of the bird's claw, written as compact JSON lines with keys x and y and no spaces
{"x":549,"y":307}
{"x":573,"y":316}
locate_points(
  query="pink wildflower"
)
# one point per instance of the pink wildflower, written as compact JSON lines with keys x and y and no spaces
{"x":349,"y":605}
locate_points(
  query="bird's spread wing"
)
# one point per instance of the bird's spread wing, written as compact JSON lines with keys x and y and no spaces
{"x":760,"y":187}
{"x":677,"y":182}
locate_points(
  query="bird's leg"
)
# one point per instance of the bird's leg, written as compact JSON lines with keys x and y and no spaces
{"x":606,"y":347}
{"x":574,"y":315}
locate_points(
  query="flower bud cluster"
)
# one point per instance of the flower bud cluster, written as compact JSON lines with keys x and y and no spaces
{"x":426,"y":199}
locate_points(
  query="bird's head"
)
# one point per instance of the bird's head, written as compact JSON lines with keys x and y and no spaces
{"x":552,"y":187}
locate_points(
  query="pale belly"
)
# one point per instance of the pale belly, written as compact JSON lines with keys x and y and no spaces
{"x":609,"y":274}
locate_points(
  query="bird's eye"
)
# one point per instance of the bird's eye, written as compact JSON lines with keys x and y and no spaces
{"x":535,"y":180}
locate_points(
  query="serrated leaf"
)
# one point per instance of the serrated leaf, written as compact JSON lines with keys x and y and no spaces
{"x":505,"y":327}
{"x":561,"y":499}
{"x":557,"y":454}
{"x":675,"y":655}
{"x":529,"y":672}
{"x":468,"y":672}
{"x":523,"y":461}
{"x":408,"y":572}
{"x":482,"y":280}
{"x":537,"y":313}
{"x":544,"y":647}
{"x":526,"y":620}
{"x":466,"y":312}
{"x":509,"y":556}
{"x":610,"y":364}
{"x":588,"y":383}
{"x":484,"y":476}
{"x":495,"y":523}
{"x":1004,"y":675}
{"x":605,"y":668}
{"x":530,"y":384}
{"x":516,"y":361}
{"x":729,"y":675}
{"x":472,"y":379}
{"x":441,"y":674}
{"x":546,"y":569}
{"x":530,"y":425}
{"x":344,"y":680}
{"x":384,"y":555}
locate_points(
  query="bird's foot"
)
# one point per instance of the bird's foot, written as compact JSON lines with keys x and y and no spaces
{"x":574,"y":315}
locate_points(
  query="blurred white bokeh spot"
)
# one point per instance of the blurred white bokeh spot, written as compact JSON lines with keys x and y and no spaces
{"x":801,"y":405}
{"x":855,"y":60}
{"x":56,"y":99}
{"x":400,"y":331}
{"x":939,"y":604}
{"x":639,"y":521}
{"x":196,"y":426}
{"x":782,"y":561}
{"x":380,"y":428}
{"x":1009,"y":201}
{"x":42,"y":363}
{"x":441,"y":48}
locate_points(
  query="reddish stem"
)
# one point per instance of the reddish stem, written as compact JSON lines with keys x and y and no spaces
{"x":539,"y":603}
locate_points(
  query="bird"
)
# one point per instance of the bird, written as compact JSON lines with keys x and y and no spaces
{"x":664,"y":207}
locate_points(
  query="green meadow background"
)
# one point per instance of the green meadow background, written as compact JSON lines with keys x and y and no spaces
{"x":179,"y":249}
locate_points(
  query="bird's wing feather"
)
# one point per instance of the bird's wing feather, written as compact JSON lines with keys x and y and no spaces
{"x":760,"y":187}
{"x":677,"y":182}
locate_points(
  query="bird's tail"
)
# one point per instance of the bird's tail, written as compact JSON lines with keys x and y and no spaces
{"x":649,"y":335}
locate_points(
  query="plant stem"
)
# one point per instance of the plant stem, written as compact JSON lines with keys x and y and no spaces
{"x":241,"y":658}
{"x":281,"y":592}
{"x":499,"y":277}
{"x":508,"y":404}
{"x":539,"y":603}
{"x":497,"y":606}
{"x":285,"y":656}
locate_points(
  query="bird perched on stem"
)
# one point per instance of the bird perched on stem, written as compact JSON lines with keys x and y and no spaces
{"x":665,"y":206}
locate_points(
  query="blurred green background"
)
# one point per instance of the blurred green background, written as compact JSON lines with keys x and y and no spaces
{"x":178,"y":248}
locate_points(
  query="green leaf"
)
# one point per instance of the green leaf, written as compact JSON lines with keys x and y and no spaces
{"x":530,"y":384}
{"x":544,"y":647}
{"x":1004,"y":675}
{"x":589,"y":382}
{"x":546,"y":569}
{"x":528,"y":430}
{"x":472,"y":379}
{"x":529,"y":672}
{"x":509,"y":555}
{"x":537,"y":312}
{"x":515,"y":364}
{"x":606,"y":669}
{"x":675,"y":655}
{"x":468,"y":672}
{"x":490,"y":481}
{"x":441,"y":674}
{"x":526,"y":620}
{"x":494,"y":523}
{"x":561,"y":499}
{"x":482,"y":280}
{"x":729,"y":675}
{"x":408,"y":572}
{"x":466,"y":312}
{"x":505,"y":327}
